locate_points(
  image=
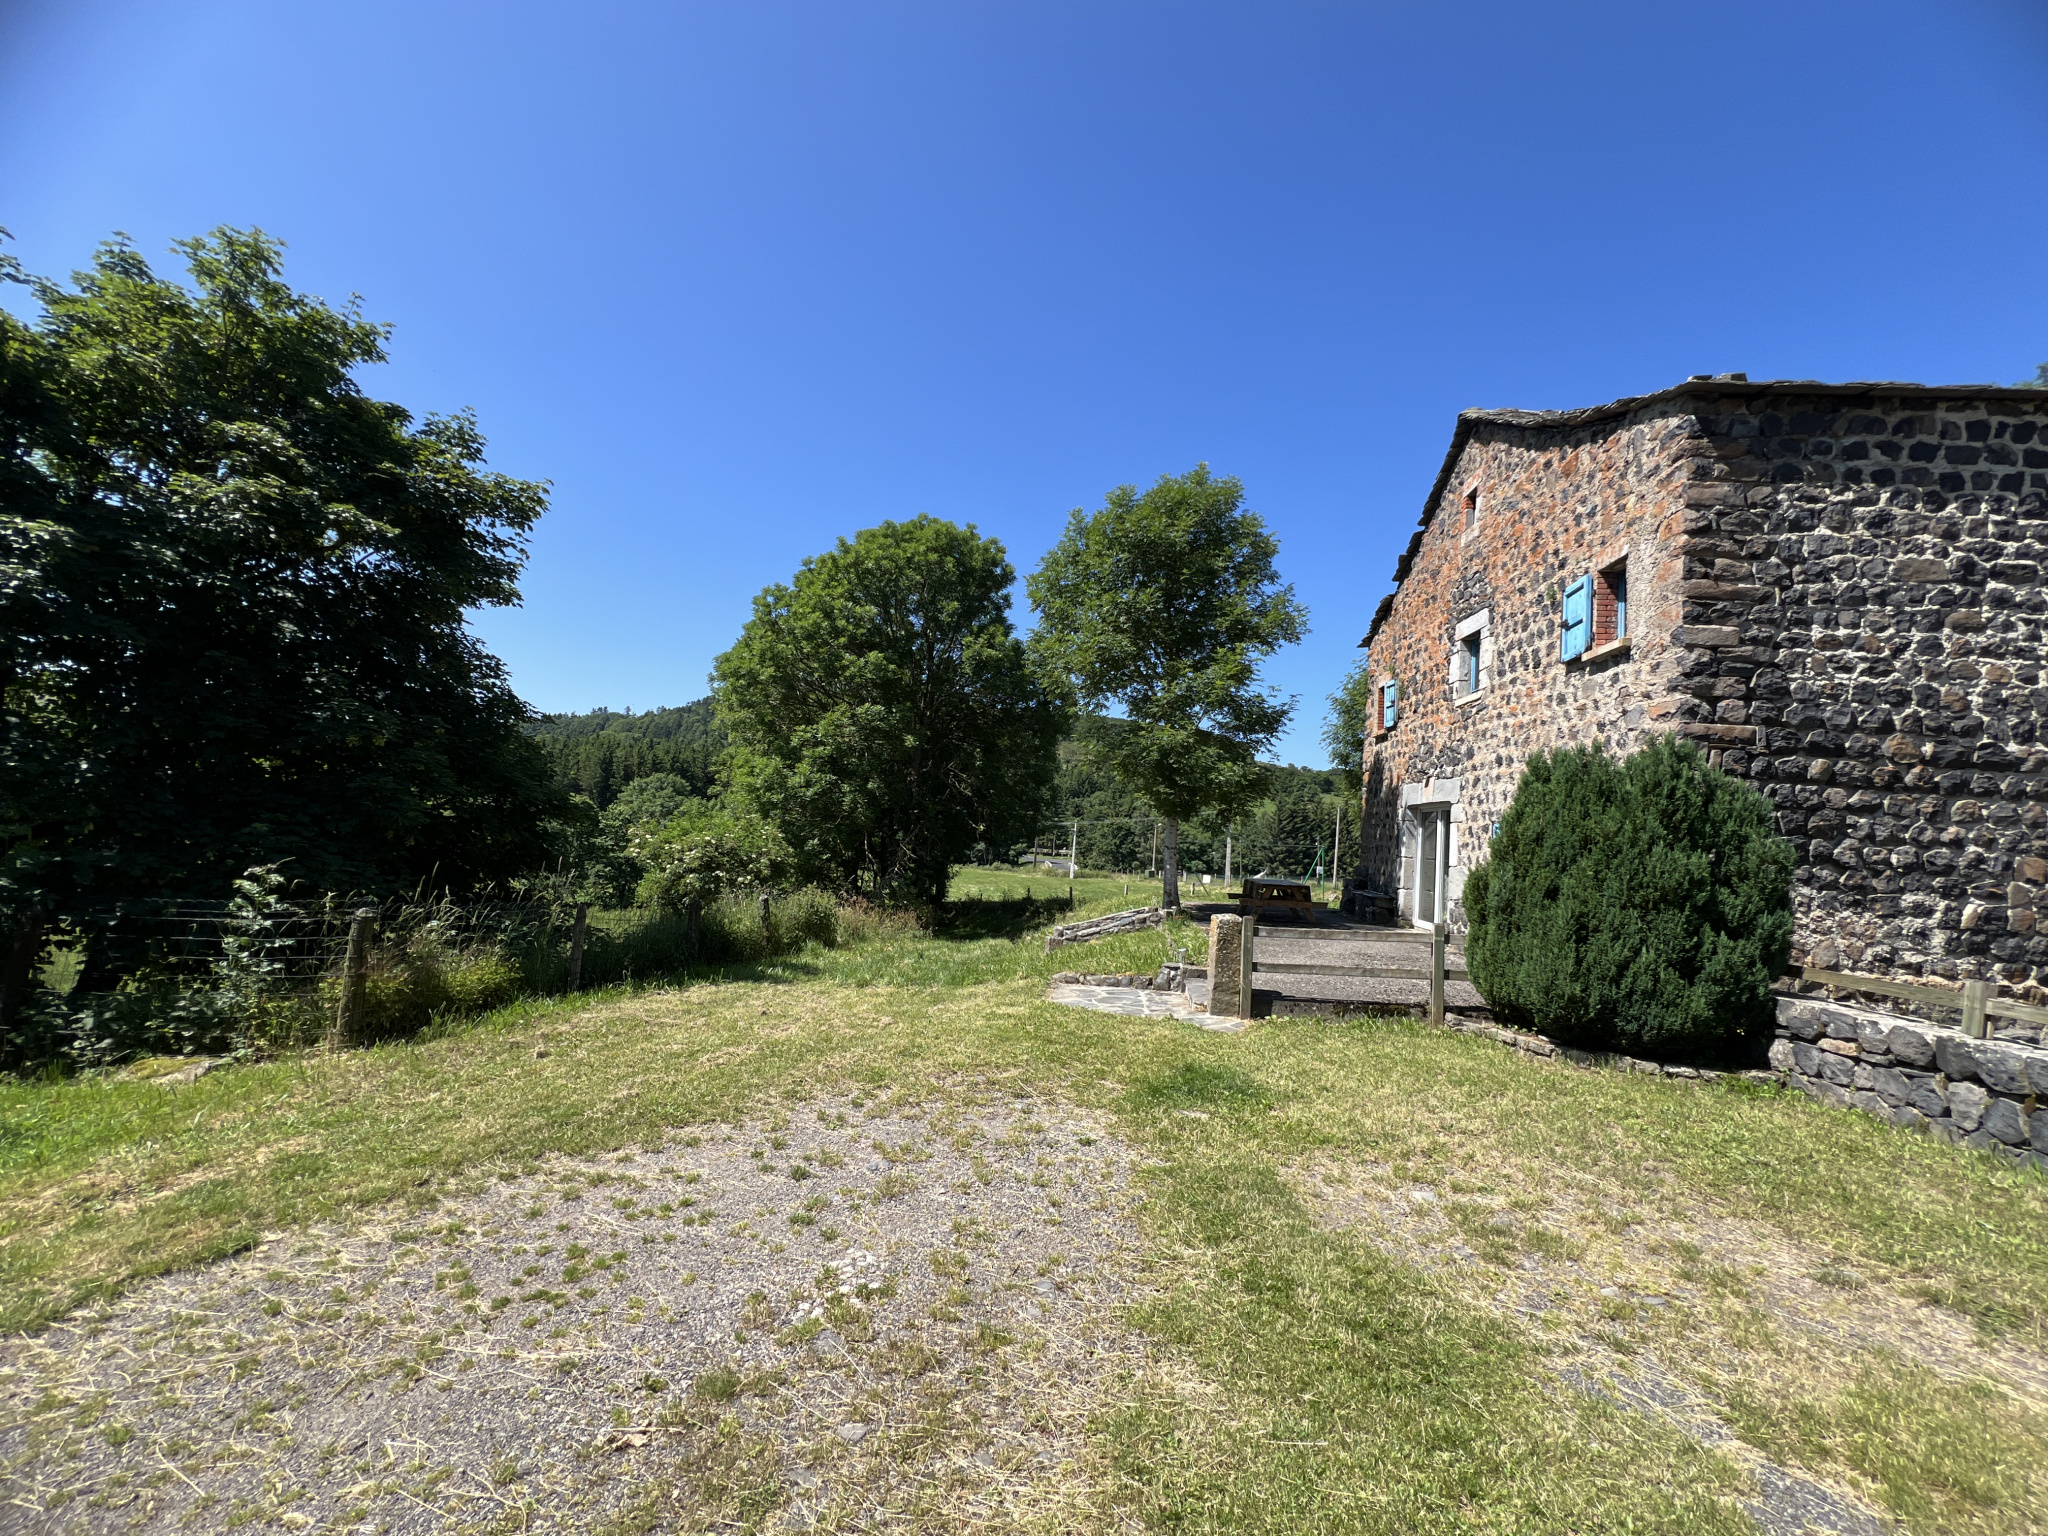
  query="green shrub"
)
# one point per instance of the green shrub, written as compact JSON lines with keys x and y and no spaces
{"x":480,"y":981}
{"x":705,"y":852}
{"x":1643,"y":905}
{"x":410,"y":985}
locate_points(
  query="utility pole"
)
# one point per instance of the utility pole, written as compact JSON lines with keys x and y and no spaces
{"x":1227,"y":831}
{"x":1073,"y":856}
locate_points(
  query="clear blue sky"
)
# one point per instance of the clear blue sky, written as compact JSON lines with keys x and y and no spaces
{"x":741,"y":278}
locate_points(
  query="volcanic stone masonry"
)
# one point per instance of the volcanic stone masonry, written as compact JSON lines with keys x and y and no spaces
{"x":1982,"y":1094}
{"x":1835,"y":589}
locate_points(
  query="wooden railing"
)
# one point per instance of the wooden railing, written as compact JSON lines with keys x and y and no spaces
{"x":1974,"y":999}
{"x":1436,"y":975}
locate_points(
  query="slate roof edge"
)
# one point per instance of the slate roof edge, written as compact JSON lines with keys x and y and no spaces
{"x":1588,"y":415}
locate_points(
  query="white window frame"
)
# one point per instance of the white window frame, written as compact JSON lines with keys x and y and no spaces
{"x":1480,"y":624}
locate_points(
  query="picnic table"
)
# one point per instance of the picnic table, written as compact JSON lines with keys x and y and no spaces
{"x":1263,"y":892}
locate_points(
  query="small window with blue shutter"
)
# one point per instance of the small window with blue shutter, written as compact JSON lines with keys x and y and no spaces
{"x":1390,"y":704}
{"x":1610,"y":604}
{"x":1578,"y":617}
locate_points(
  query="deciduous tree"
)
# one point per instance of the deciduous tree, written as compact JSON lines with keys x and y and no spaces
{"x":1163,"y":605}
{"x":1348,"y":723}
{"x":232,"y":589}
{"x":883,"y":713}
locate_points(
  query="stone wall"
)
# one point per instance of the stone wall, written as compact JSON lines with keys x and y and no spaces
{"x":1981,"y":1094}
{"x":1837,"y":590}
{"x":1553,"y":503}
{"x":1863,"y":627}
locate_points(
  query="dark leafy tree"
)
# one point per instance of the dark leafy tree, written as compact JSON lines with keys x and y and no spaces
{"x":883,"y":713}
{"x":1641,"y":905}
{"x":1346,"y":725}
{"x":232,"y":590}
{"x":1162,"y":605}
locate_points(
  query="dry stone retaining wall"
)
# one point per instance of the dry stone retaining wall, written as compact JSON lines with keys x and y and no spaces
{"x":1982,"y":1094}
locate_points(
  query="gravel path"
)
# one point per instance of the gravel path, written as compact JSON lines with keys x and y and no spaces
{"x":840,"y":1319}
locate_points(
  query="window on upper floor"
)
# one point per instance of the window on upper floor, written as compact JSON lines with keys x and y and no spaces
{"x":1576,"y":618}
{"x":1390,"y":703}
{"x":1469,"y":518}
{"x":1472,"y":654}
{"x":1593,"y":613}
{"x":1610,"y":603}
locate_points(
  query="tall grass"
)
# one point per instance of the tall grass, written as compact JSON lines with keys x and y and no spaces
{"x":432,"y":971}
{"x":432,"y":961}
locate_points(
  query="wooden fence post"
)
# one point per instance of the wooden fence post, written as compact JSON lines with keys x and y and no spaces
{"x":348,"y":1015}
{"x":1245,"y":965}
{"x":1436,"y":973}
{"x":1976,"y":1022}
{"x":576,"y":933}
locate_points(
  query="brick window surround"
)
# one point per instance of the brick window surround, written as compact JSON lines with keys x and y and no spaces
{"x":1610,"y":603}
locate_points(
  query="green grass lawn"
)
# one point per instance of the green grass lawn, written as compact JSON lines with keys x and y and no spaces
{"x":1094,"y":890}
{"x":1311,"y":1379}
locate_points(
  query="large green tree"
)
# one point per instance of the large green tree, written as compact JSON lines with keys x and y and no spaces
{"x":1162,"y":605}
{"x":883,"y":713}
{"x":232,"y":590}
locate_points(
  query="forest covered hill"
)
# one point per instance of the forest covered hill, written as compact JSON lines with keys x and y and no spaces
{"x":687,"y":723}
{"x":599,"y":753}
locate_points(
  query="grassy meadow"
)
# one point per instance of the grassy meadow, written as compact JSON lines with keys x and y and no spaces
{"x":1309,"y":1377}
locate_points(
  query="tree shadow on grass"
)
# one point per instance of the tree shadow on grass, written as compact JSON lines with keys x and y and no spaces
{"x":984,"y":918}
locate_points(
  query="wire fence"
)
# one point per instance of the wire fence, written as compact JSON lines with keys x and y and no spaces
{"x":300,"y":945}
{"x":261,"y":972}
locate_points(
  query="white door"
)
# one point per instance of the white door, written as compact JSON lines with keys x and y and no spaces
{"x":1432,"y":855}
{"x":1426,"y":882}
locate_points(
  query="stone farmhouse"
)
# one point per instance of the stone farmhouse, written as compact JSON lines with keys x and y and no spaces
{"x":1835,"y":589}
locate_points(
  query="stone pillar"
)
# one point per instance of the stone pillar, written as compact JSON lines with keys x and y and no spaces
{"x":1230,"y":993}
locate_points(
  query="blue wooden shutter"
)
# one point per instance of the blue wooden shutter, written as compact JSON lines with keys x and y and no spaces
{"x":1390,"y":698}
{"x":1578,"y":617}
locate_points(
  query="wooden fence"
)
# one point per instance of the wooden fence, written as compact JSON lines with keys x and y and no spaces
{"x":1436,"y":974}
{"x":1973,"y":999}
